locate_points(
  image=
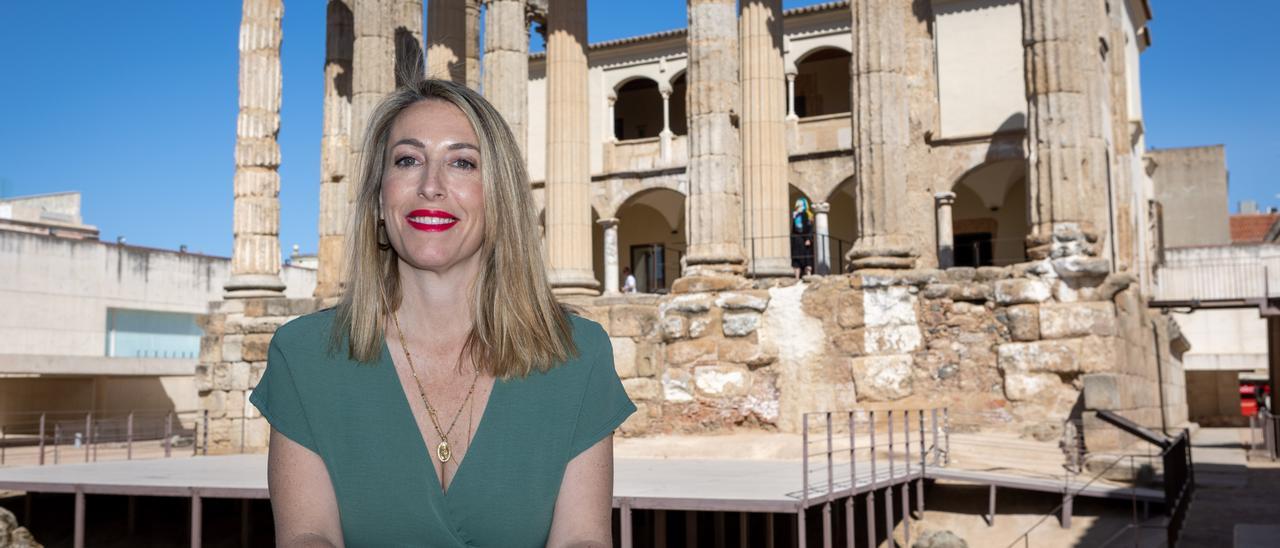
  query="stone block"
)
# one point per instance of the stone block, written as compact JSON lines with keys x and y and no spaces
{"x":204,"y":377}
{"x":255,"y":346}
{"x":936,"y":291}
{"x":740,"y":324}
{"x":683,"y":352}
{"x":892,"y":339}
{"x":677,"y":386}
{"x":674,"y":327}
{"x":923,"y":276}
{"x":689,"y":304}
{"x":851,"y":342}
{"x":211,"y":324}
{"x":1062,"y":320}
{"x":849,"y":313}
{"x":1051,"y":356}
{"x":221,"y":377}
{"x":624,"y":356}
{"x":648,"y":359}
{"x":235,"y":404}
{"x":238,"y":376}
{"x":745,"y":351}
{"x":631,"y":320}
{"x":1021,"y":290}
{"x":1099,"y":354}
{"x":638,"y":423}
{"x":721,"y":381}
{"x":302,"y":307}
{"x":1026,"y":386}
{"x":969,"y":291}
{"x":211,"y":349}
{"x":961,"y":274}
{"x":1102,"y":391}
{"x":231,"y":348}
{"x":989,"y":273}
{"x":256,"y":369}
{"x":215,"y":402}
{"x":703,"y":284}
{"x":882,"y":378}
{"x":278,"y":307}
{"x":642,"y":389}
{"x":1023,"y":321}
{"x":267,"y":324}
{"x":744,"y":300}
{"x":702,"y":325}
{"x":254,"y":307}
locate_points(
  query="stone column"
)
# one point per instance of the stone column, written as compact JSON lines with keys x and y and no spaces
{"x":335,"y":147}
{"x":472,"y":48}
{"x":714,"y":205}
{"x":447,"y":40}
{"x":822,"y":241}
{"x":373,"y":75}
{"x":610,"y":134}
{"x":407,"y":31}
{"x":946,"y":240}
{"x":610,"y":255}
{"x":664,"y":136}
{"x":791,"y":96}
{"x":1066,"y":151}
{"x":255,"y":258}
{"x":506,"y":59}
{"x":764,"y":138}
{"x":881,"y":133}
{"x":568,"y":186}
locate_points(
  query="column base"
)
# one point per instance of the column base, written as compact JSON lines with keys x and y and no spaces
{"x":879,"y":256}
{"x":771,"y":267}
{"x":246,"y":286}
{"x":1063,"y":239}
{"x":573,"y":282}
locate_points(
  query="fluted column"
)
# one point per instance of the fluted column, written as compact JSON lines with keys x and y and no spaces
{"x":373,"y":74}
{"x":255,"y":258}
{"x":1066,"y":152}
{"x":946,"y":237}
{"x":881,"y":132}
{"x":447,"y":40}
{"x":610,"y":255}
{"x":407,"y":31}
{"x":506,"y":59}
{"x":714,"y":206}
{"x":568,"y":185}
{"x":471,"y":48}
{"x":764,"y":138}
{"x":822,"y":240}
{"x":335,"y":146}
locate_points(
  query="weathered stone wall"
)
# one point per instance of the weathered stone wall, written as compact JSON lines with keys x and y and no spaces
{"x":233,"y":355}
{"x":1022,"y":347}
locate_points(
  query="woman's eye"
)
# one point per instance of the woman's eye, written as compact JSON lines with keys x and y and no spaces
{"x":464,"y":163}
{"x":405,"y":161}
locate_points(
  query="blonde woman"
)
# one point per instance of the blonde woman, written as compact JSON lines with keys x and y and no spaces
{"x":448,"y":399}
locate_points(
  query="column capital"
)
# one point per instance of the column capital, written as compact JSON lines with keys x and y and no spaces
{"x":944,"y":198}
{"x":822,"y":207}
{"x":612,"y":97}
{"x":608,"y":222}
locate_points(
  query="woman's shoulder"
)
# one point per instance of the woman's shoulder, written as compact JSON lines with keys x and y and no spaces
{"x":308,"y":331}
{"x":588,"y":335}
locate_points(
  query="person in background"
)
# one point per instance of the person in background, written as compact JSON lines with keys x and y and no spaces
{"x":628,"y":280}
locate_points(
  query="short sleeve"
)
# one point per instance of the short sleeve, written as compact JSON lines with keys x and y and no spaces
{"x":605,"y":404}
{"x":277,"y":398}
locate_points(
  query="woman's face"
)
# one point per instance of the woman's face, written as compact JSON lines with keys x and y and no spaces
{"x":432,"y":187}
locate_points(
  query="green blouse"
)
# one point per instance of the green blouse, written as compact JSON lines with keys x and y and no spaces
{"x":356,"y":417}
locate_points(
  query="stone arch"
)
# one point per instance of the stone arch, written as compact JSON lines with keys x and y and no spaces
{"x":637,"y":112}
{"x":989,"y":217}
{"x":651,"y":236}
{"x":822,"y":82}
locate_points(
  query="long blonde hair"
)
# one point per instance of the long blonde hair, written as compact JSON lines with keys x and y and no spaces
{"x":518,"y":327}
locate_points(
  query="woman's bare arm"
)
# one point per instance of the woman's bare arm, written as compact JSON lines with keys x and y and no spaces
{"x":302,"y":498}
{"x":584,"y":505}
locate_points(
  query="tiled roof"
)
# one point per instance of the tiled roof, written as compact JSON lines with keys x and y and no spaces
{"x":1252,"y":227}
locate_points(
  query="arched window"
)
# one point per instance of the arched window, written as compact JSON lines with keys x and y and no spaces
{"x":822,"y":83}
{"x":637,"y":114}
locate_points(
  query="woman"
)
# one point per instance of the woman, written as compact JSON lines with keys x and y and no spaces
{"x":447,"y":400}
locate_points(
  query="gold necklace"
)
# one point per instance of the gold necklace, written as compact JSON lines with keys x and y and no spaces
{"x":443,"y":452}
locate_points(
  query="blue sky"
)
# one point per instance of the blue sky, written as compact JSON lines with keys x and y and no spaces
{"x":134,"y":105}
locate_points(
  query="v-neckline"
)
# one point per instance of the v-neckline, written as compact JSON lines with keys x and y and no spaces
{"x":427,"y":457}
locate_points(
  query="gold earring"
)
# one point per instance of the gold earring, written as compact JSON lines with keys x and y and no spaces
{"x":380,"y":232}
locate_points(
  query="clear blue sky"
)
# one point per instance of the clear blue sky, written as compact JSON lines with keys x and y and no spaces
{"x":134,"y":105}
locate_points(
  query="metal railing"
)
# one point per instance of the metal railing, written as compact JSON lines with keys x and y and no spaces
{"x":1178,"y":481}
{"x":56,"y":437}
{"x":1264,"y":435}
{"x":818,"y":254}
{"x":865,"y":451}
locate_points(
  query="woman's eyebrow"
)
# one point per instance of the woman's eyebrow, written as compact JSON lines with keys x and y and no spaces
{"x":460,"y":146}
{"x":409,"y":141}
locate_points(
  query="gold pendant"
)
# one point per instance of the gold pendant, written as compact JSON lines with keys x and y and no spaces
{"x":442,"y":451}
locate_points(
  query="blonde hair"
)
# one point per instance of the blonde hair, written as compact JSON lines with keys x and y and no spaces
{"x":518,"y":327}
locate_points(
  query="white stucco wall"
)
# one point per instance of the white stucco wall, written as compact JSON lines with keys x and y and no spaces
{"x":55,"y":292}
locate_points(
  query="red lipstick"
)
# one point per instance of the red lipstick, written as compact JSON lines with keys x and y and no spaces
{"x":430,"y":220}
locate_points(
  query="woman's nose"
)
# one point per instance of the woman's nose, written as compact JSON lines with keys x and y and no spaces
{"x":431,"y":186}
